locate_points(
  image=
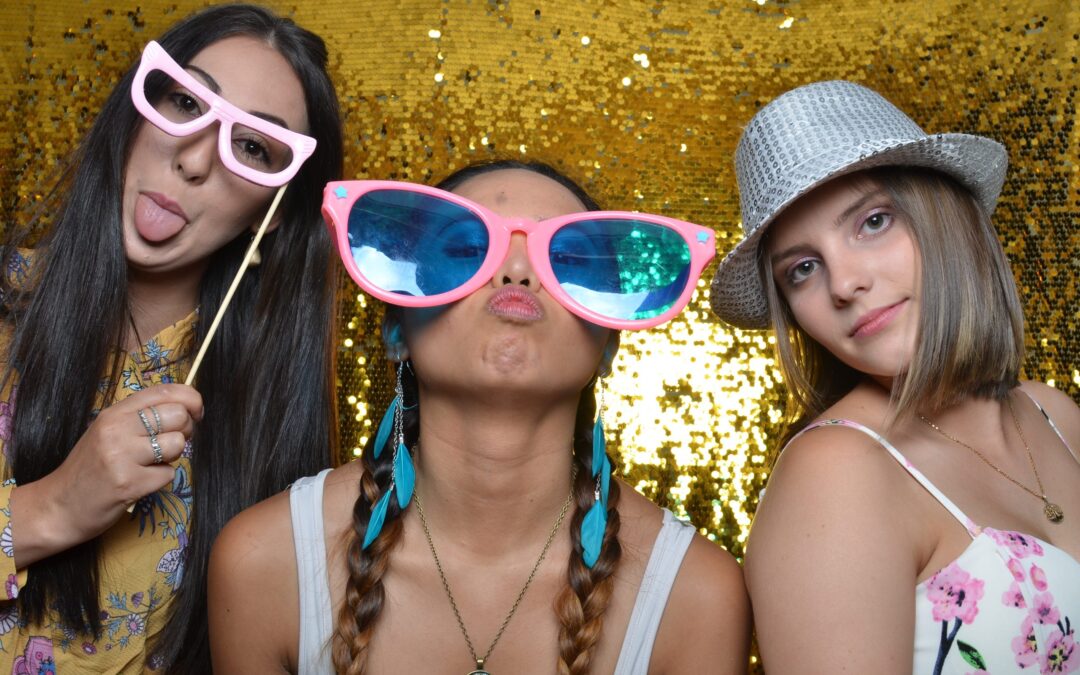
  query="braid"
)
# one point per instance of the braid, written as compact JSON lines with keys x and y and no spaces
{"x":364,"y":591}
{"x":581,"y":604}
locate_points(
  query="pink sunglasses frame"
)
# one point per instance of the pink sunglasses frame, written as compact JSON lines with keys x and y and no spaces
{"x":339,"y":197}
{"x":154,"y":57}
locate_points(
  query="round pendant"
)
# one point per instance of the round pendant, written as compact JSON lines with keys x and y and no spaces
{"x":479,"y":672}
{"x":1053,"y":512}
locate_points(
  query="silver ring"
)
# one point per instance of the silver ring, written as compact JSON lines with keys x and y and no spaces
{"x":145,"y":422}
{"x":156,"y":447}
{"x":157,"y":419}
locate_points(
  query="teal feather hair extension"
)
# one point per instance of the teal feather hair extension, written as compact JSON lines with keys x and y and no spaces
{"x":592,"y":533}
{"x":404,"y":476}
{"x":385,"y":427}
{"x":375,"y":523}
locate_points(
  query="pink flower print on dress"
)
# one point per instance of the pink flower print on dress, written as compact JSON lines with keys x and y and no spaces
{"x":1017,"y":569}
{"x":1024,"y":646}
{"x":1019,"y":544}
{"x":1043,"y":609}
{"x":36,"y":659}
{"x":1014,"y":597}
{"x":955,"y":594}
{"x":7,"y":415}
{"x":1061,"y":655}
{"x":11,"y":587}
{"x":1038,"y":577}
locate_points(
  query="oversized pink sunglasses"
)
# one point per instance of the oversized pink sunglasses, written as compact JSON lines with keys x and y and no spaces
{"x":251,"y":147}
{"x":418,"y":246}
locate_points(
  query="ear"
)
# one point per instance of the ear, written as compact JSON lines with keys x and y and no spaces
{"x":393,"y":337}
{"x":611,"y":348}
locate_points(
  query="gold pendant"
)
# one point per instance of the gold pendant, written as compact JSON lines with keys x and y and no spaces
{"x":479,"y":668}
{"x":1052,"y":511}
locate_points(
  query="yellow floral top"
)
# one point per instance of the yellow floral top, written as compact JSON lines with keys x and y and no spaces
{"x":141,"y":555}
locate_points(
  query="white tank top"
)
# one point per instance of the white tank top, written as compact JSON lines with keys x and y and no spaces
{"x":316,"y":611}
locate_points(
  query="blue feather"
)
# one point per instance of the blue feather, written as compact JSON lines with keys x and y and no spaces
{"x":598,"y":449}
{"x":605,"y":480}
{"x":404,"y":476}
{"x":385,"y":427}
{"x":592,"y":533}
{"x":375,"y":523}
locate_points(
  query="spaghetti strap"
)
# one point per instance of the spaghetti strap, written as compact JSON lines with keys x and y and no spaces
{"x":967,"y":523}
{"x":1053,"y":426}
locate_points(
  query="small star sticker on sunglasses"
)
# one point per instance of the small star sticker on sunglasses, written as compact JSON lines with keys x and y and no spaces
{"x":341,"y":193}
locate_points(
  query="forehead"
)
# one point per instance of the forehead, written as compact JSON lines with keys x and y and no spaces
{"x":819,"y":208}
{"x":519,"y":193}
{"x":256,"y":78}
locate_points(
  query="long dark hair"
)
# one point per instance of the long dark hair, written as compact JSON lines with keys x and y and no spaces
{"x":580,"y":605}
{"x":267,"y":379}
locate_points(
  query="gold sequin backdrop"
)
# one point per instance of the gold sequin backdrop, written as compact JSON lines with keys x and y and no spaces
{"x":642,"y":102}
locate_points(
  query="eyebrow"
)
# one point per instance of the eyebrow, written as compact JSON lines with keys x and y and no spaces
{"x":213,"y":86}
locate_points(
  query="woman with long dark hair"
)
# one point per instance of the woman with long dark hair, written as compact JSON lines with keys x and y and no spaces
{"x":121,"y":478}
{"x":523,"y":551}
{"x":923,"y":516}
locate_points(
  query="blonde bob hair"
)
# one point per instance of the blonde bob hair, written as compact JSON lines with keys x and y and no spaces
{"x":970,"y":339}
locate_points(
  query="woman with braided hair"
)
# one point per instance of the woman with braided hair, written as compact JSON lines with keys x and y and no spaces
{"x":483,"y":528}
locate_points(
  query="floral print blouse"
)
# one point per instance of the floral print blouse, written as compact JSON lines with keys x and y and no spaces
{"x":142,"y":554}
{"x":1007,"y":604}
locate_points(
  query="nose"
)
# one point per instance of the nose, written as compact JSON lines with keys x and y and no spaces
{"x":849,"y":278}
{"x":196,"y":154}
{"x":516,"y":267}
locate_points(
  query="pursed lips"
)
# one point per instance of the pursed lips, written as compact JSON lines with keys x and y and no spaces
{"x":515,"y":304}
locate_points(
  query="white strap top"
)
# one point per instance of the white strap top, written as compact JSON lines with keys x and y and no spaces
{"x":316,"y":611}
{"x":1008,"y":604}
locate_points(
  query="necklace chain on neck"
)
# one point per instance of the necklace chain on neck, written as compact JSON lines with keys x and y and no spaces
{"x":521,"y":594}
{"x":1051,"y":510}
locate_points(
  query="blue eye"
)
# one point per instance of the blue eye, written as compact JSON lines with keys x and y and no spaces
{"x":875,"y":223}
{"x":801,"y":270}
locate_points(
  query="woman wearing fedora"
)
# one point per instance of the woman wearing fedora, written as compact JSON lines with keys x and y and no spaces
{"x":924,"y":515}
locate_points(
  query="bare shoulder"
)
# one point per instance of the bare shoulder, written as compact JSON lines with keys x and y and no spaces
{"x":828,"y":541}
{"x":1059,"y":406}
{"x":254,"y":548}
{"x":706,"y":622}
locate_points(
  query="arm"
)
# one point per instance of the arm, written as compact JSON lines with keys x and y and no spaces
{"x":706,"y":625}
{"x":831,"y":568}
{"x":111,"y":466}
{"x":252,"y":592}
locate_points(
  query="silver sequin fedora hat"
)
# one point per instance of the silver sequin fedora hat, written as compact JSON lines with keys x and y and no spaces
{"x":813,"y":134}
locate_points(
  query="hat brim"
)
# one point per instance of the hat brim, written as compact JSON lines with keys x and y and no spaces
{"x":736,"y":294}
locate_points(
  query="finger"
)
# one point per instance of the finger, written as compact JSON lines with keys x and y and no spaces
{"x":171,"y":417}
{"x":159,"y":394}
{"x":163,"y":448}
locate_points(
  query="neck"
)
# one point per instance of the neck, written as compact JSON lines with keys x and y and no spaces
{"x":493,"y":479}
{"x":159,"y":300}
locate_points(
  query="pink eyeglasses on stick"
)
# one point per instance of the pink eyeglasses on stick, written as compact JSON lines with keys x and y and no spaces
{"x":418,"y":246}
{"x":176,"y":102}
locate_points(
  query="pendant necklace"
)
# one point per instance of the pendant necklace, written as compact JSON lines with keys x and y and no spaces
{"x":1051,"y":510}
{"x":480,"y":670}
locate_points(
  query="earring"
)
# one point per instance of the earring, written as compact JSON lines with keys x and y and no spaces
{"x":256,"y":257}
{"x":594,"y":524}
{"x":403,"y":476}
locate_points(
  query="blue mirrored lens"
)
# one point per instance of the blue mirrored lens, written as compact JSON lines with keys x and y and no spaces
{"x":621,"y":269}
{"x":415,"y":244}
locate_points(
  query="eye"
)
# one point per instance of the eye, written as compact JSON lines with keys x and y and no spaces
{"x":874,"y":224}
{"x":186,"y":104}
{"x":800,"y":271}
{"x":252,"y":151}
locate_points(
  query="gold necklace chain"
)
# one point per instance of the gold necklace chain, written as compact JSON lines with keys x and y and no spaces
{"x":521,"y":594}
{"x":1051,"y":510}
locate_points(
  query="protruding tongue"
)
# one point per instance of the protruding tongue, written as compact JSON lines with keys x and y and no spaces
{"x":155,"y":223}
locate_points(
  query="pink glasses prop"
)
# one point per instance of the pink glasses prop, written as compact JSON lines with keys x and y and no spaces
{"x":418,"y":246}
{"x":251,"y":147}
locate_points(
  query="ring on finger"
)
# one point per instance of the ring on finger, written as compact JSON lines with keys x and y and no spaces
{"x":157,"y":419}
{"x":145,"y":422}
{"x":156,"y":448}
